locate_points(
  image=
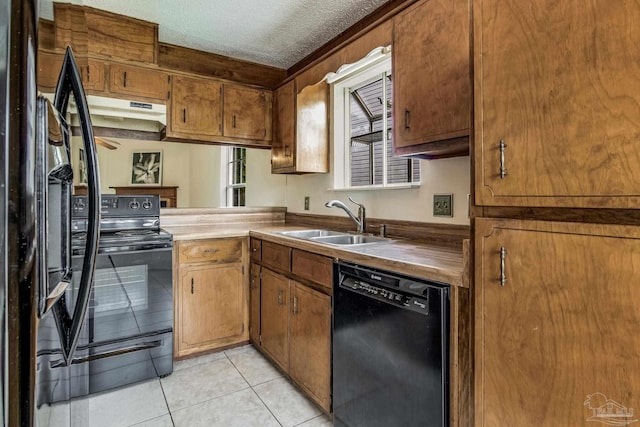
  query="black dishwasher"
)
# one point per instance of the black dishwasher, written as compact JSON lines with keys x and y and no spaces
{"x":390,"y":349}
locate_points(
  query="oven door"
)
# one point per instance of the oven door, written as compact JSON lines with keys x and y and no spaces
{"x":128,"y":333}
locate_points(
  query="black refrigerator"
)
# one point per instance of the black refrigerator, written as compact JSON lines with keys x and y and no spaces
{"x":35,"y":209}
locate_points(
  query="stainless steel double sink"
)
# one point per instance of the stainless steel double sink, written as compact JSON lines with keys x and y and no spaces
{"x":336,"y":238}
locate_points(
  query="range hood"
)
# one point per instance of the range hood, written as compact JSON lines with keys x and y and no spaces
{"x":121,"y":119}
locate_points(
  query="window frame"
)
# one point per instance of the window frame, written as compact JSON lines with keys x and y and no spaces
{"x":231,"y":185}
{"x":371,"y":68}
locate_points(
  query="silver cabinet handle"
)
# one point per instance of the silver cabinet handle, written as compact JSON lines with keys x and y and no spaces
{"x":295,"y":305}
{"x":503,"y":257}
{"x":279,"y":297}
{"x":503,"y":169}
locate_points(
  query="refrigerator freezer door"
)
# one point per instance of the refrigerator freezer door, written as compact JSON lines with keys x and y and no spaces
{"x":70,"y":317}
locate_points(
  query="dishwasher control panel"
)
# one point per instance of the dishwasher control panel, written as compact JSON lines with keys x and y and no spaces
{"x":382,"y":294}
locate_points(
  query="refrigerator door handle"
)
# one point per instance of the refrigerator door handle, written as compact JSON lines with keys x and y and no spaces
{"x":70,"y":82}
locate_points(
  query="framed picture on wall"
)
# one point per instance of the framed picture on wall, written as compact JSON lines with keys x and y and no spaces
{"x":146,"y":167}
{"x":82,"y":168}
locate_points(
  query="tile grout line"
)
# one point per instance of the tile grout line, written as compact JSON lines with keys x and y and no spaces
{"x":255,"y":392}
{"x":166,"y":402}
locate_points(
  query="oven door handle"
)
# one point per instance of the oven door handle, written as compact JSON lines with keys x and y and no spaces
{"x":70,"y":326}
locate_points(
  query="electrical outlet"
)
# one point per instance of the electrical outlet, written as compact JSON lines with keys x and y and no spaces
{"x":443,"y":205}
{"x":306,"y":203}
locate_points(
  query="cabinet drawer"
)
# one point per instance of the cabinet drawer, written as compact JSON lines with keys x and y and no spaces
{"x":276,"y":256}
{"x":256,"y":250}
{"x":312,"y":267}
{"x":213,"y":250}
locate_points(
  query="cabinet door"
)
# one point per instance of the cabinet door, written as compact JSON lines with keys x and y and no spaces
{"x":557,"y":83}
{"x":195,"y":107}
{"x":312,"y":129}
{"x":247,"y":113}
{"x":310,"y":342}
{"x":137,"y":82}
{"x":431,"y":75}
{"x":211,"y":306}
{"x":284,"y":128}
{"x":254,"y":301}
{"x":274,"y":319}
{"x":557,"y":344}
{"x":93,"y":76}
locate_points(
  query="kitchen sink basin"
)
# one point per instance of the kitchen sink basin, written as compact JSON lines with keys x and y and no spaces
{"x":338,"y":238}
{"x":349,"y":239}
{"x":309,"y":234}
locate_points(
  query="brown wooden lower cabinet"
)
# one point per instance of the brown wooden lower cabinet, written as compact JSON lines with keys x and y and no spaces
{"x":294,"y":318}
{"x":274,"y":317}
{"x":310,"y":342}
{"x":211,"y":299}
{"x":556,"y":323}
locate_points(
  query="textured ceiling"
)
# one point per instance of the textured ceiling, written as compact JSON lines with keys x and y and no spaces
{"x":271,"y":32}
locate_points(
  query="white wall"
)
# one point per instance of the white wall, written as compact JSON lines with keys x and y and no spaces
{"x":204,"y":176}
{"x":196,"y":169}
{"x":438,"y":176}
{"x":263,"y":187}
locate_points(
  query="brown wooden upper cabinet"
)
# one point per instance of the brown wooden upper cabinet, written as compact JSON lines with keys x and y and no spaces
{"x":94,"y":77}
{"x":284,"y":128}
{"x":557,"y":101}
{"x":195,"y":108}
{"x":49,"y":66}
{"x":432,"y":80}
{"x":138,"y":82}
{"x":207,"y":110}
{"x":247,"y":113}
{"x":92,"y":71}
{"x":301,"y":129}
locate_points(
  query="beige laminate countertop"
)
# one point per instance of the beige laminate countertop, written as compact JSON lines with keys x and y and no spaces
{"x":434,"y":262}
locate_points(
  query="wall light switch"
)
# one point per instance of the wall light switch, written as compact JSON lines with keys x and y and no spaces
{"x":443,"y":205}
{"x":306,"y":203}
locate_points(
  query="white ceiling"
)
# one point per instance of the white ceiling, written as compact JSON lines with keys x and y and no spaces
{"x":271,"y":32}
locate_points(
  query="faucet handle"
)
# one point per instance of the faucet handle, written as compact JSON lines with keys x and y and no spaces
{"x":359,"y":204}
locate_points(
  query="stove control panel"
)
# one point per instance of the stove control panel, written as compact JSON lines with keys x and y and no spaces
{"x":113,"y":206}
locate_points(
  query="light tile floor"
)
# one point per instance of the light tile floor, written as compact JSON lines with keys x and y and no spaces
{"x":233,"y":388}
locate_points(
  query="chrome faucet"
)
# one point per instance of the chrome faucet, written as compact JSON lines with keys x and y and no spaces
{"x":360,"y":220}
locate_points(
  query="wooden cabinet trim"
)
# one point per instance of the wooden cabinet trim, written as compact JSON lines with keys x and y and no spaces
{"x":256,"y":249}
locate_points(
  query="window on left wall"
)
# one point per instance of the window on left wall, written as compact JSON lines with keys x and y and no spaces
{"x":236,"y":176}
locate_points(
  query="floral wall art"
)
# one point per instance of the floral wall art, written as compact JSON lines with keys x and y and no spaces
{"x":146,"y":168}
